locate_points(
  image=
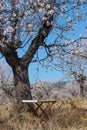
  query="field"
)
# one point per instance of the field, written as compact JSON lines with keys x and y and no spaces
{"x":66,"y":114}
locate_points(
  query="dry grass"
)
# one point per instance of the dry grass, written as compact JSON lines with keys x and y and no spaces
{"x":66,"y":114}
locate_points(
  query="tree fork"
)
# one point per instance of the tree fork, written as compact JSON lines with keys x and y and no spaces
{"x":21,"y":80}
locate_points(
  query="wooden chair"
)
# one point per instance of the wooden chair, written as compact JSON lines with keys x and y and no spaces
{"x":40,"y":106}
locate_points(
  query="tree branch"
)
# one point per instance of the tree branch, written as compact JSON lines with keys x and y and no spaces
{"x":37,"y":42}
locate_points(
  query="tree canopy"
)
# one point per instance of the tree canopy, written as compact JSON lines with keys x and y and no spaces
{"x":22,"y":22}
{"x":49,"y":32}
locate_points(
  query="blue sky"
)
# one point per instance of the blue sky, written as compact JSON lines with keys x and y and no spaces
{"x":42,"y":74}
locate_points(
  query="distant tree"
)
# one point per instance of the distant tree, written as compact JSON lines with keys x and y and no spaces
{"x":6,"y":80}
{"x":6,"y":77}
{"x":80,"y":78}
{"x":77,"y":65}
{"x":38,"y":31}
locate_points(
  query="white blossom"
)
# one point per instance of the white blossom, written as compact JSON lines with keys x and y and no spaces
{"x":48,"y":23}
{"x":30,"y":25}
{"x":68,"y":26}
{"x":48,"y":6}
{"x":68,"y":18}
{"x":31,"y":34}
{"x":31,"y":1}
{"x":44,"y":11}
{"x":51,"y":11}
{"x":82,"y":1}
{"x":1,"y":7}
{"x":18,"y":5}
{"x":9,"y":30}
{"x":40,"y":10}
{"x":44,"y":18}
{"x":15,"y":37}
{"x":8,"y":22}
{"x":27,"y":12}
{"x":14,"y":14}
{"x":38,"y":1}
{"x":42,"y":4}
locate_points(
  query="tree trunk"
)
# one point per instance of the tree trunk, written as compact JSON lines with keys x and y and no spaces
{"x":81,"y":90}
{"x":21,"y":79}
{"x":22,"y":83}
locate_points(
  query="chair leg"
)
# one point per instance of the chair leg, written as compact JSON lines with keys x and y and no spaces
{"x":43,"y":111}
{"x":47,"y":110}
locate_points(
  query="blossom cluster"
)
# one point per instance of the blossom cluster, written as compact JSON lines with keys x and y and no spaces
{"x":25,"y":16}
{"x":20,"y":16}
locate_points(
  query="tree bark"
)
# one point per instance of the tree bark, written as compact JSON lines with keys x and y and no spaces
{"x":21,"y":78}
{"x":81,"y":90}
{"x":22,"y":86}
{"x":22,"y":83}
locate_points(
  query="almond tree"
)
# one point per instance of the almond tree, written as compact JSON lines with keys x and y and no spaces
{"x":77,"y":63}
{"x":40,"y":28}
